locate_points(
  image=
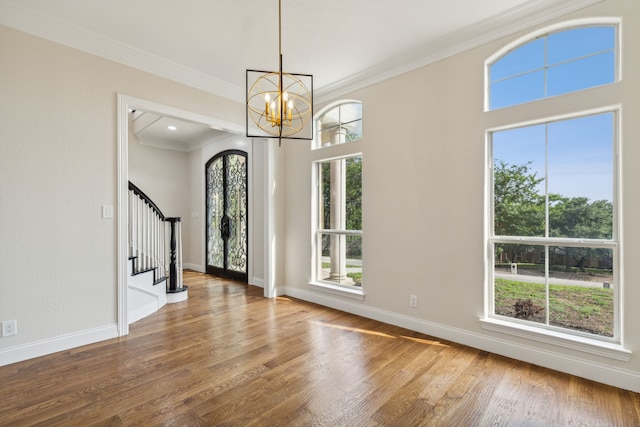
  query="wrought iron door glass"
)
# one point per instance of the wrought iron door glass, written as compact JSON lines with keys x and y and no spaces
{"x":215,"y":209}
{"x":236,"y":211}
{"x":227,"y":232}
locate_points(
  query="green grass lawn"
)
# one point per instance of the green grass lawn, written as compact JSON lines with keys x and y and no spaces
{"x":327,"y":265}
{"x":574,"y":307}
{"x":356,"y":277}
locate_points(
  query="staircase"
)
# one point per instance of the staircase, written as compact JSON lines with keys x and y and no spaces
{"x":145,"y":294}
{"x":155,"y":257}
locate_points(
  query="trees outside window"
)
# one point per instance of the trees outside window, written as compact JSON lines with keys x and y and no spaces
{"x":554,"y":219}
{"x":339,"y":235}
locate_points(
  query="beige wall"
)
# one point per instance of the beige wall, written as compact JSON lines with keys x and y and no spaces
{"x":424,"y":208}
{"x":57,"y":168}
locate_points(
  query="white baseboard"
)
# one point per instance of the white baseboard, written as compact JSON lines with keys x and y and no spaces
{"x":173,"y":298}
{"x":195,"y":267}
{"x":257,"y":281}
{"x":605,"y":374}
{"x":141,"y":312}
{"x":141,"y":303}
{"x":60,"y":343}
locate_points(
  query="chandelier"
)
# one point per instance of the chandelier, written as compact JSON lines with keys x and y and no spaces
{"x":279,"y":104}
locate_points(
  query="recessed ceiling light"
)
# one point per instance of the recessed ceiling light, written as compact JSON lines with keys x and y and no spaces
{"x":171,"y":127}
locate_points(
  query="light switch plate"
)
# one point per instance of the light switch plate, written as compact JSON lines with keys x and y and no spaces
{"x":107,"y":211}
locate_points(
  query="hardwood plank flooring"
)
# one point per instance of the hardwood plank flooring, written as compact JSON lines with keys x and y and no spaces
{"x":230,"y":357}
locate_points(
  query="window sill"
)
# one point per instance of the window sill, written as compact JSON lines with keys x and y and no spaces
{"x":586,"y":345}
{"x":338,"y":290}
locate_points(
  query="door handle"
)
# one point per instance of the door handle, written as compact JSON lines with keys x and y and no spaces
{"x":225,"y":227}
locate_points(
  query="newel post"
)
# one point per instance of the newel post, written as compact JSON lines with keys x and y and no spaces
{"x":173,"y":269}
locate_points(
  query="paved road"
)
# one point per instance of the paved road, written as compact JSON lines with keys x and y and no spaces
{"x":553,"y":281}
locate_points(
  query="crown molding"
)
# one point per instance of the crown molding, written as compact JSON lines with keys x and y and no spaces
{"x":526,"y":16}
{"x":33,"y":22}
{"x":530,"y":14}
{"x":181,"y":147}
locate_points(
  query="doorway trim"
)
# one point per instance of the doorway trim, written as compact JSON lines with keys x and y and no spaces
{"x":124,"y":104}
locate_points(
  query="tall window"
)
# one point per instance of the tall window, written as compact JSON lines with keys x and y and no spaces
{"x":553,"y":224}
{"x":338,"y":202}
{"x":553,"y":235}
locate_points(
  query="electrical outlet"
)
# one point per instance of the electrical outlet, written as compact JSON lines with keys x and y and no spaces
{"x":413,"y":301}
{"x":9,"y":328}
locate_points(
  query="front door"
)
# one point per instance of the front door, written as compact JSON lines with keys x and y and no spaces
{"x":227,"y":219}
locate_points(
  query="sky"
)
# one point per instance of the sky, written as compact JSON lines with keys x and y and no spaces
{"x":580,"y":151}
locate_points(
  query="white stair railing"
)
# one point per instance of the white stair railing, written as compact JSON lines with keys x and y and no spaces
{"x":155,"y":240}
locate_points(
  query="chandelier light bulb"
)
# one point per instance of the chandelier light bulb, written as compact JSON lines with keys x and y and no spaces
{"x":267,"y":99}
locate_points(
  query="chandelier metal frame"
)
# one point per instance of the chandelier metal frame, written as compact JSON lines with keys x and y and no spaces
{"x":279,"y":104}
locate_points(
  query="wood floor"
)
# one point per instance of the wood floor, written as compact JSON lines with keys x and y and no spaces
{"x":230,"y":357}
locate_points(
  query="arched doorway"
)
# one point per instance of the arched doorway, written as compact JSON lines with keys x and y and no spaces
{"x":227,"y":229}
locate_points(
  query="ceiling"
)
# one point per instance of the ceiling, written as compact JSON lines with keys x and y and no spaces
{"x":170,"y":132}
{"x":345,"y":44}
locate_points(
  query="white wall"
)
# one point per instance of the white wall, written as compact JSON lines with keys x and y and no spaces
{"x":423,"y":203}
{"x":57,"y":168}
{"x":163,"y":175}
{"x":196,"y":230}
{"x":257,"y":213}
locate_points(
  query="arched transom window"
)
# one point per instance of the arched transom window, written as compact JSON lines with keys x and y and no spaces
{"x":339,"y":124}
{"x":553,"y":64}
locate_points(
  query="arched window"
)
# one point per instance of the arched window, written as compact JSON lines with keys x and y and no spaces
{"x":553,"y":64}
{"x":339,"y":123}
{"x":553,"y":227}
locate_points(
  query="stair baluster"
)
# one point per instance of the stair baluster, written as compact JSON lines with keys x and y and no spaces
{"x":155,"y":242}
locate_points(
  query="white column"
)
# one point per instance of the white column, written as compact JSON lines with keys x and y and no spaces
{"x":338,"y":217}
{"x":179,"y":258}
